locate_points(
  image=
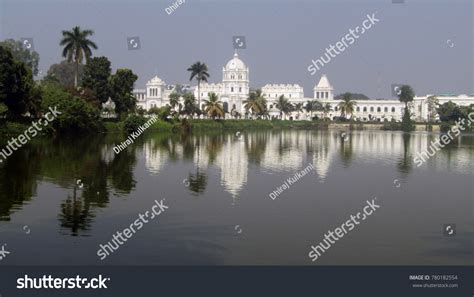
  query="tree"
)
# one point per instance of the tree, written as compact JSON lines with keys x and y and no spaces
{"x":213,"y":107}
{"x":64,"y":73}
{"x":174,"y":100}
{"x":327,"y":108}
{"x":283,"y":105}
{"x":96,"y":77}
{"x":20,"y":53}
{"x":77,"y":116}
{"x":16,"y":84}
{"x":199,"y":71}
{"x":190,"y":106}
{"x":256,"y":103}
{"x":312,"y":105}
{"x":121,"y":88}
{"x":77,"y":47}
{"x":347,"y":105}
{"x":298,"y":107}
{"x":406,"y":95}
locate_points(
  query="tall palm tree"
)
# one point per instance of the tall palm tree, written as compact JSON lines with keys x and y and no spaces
{"x":347,"y":105}
{"x":283,"y":105}
{"x":406,"y":95}
{"x":199,"y":71}
{"x":77,"y":47}
{"x":327,"y":108}
{"x":213,"y":106}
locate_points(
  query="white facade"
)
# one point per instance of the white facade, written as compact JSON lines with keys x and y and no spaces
{"x":234,"y":89}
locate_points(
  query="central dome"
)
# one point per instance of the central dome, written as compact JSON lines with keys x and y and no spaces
{"x":235,"y":64}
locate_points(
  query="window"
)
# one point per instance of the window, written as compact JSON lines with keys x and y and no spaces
{"x":371,"y":109}
{"x":357,"y":108}
{"x":385,"y":109}
{"x":379,"y":109}
{"x":240,"y":89}
{"x":365,"y":109}
{"x":231,"y":89}
{"x":232,"y":76}
{"x":240,"y":76}
{"x":393,"y":109}
{"x":290,"y":95}
{"x":327,"y":95}
{"x":317,"y":95}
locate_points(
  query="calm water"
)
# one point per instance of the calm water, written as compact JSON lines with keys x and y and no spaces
{"x":217,"y":188}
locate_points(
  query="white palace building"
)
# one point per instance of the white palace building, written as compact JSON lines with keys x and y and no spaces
{"x":234,"y":89}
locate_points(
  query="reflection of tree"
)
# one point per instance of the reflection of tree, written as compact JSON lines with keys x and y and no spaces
{"x":121,"y":171}
{"x":75,"y":214}
{"x":405,"y":163}
{"x":346,"y":149}
{"x":213,"y":147}
{"x":197,"y":182}
{"x":256,"y":146}
{"x":18,"y":179}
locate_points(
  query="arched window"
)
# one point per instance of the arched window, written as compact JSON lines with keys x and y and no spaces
{"x":385,"y":109}
{"x":232,"y":76}
{"x":365,"y":109}
{"x":357,"y":108}
{"x":240,"y":76}
{"x":240,"y":89}
{"x":371,"y":109}
{"x":393,"y":109}
{"x":231,"y":89}
{"x":226,"y":107}
{"x":379,"y":109}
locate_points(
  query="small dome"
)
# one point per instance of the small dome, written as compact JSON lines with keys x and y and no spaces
{"x":235,"y":64}
{"x":324,"y":83}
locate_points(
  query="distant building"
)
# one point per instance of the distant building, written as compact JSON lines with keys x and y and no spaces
{"x":234,"y":89}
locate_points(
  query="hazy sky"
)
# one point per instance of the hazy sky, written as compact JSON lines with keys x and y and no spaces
{"x":427,"y":44}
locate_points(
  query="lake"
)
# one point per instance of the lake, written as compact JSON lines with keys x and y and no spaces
{"x":62,"y":198}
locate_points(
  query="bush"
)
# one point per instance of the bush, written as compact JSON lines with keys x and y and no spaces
{"x":77,"y":116}
{"x":132,"y":123}
{"x":391,"y":126}
{"x":445,"y":126}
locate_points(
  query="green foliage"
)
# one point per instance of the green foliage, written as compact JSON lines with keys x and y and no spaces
{"x":77,"y":116}
{"x":133,"y":122}
{"x":20,"y":53}
{"x":162,"y":112}
{"x":347,"y":105}
{"x":96,"y":77}
{"x":450,"y":112}
{"x":16,"y":84}
{"x":121,"y":88}
{"x":406,"y":94}
{"x":64,"y":73}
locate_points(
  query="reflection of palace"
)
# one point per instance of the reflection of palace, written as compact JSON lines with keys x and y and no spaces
{"x":290,"y":151}
{"x":234,"y":89}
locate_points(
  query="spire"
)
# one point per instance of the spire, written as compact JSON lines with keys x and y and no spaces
{"x":236,"y":55}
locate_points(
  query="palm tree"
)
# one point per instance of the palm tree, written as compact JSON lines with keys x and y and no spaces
{"x":347,"y":105}
{"x":313,"y":105}
{"x":283,"y":105}
{"x":256,"y":103}
{"x":199,"y":71}
{"x":189,"y":107}
{"x":406,"y":95}
{"x":77,"y":47}
{"x":327,"y":108}
{"x":174,"y":100}
{"x":213,"y":107}
{"x":298,"y":107}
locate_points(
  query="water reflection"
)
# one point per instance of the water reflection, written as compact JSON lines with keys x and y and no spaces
{"x":105,"y":174}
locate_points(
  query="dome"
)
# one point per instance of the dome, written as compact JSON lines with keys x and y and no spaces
{"x":235,"y":64}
